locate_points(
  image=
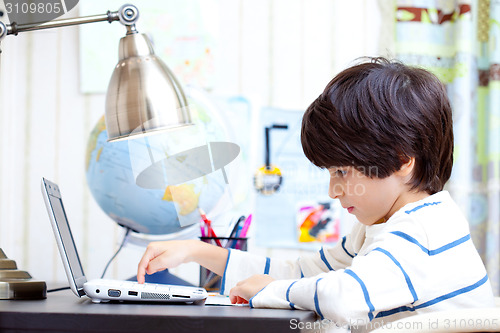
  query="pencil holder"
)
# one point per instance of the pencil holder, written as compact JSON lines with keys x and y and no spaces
{"x":208,"y":279}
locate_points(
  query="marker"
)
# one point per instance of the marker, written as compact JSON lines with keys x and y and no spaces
{"x":208,"y":223}
{"x":236,"y":227}
{"x":202,"y":229}
{"x":246,"y":225}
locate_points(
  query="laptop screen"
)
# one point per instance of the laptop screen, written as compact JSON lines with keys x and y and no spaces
{"x":64,"y":237}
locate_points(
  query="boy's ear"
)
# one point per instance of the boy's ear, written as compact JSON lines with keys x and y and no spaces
{"x":407,"y":167}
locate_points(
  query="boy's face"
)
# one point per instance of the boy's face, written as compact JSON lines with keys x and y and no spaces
{"x":371,"y":200}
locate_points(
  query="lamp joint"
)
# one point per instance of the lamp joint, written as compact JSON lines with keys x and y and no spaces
{"x":128,"y":14}
{"x":112,"y":16}
{"x":3,"y":30}
{"x":131,"y":29}
{"x":12,"y":29}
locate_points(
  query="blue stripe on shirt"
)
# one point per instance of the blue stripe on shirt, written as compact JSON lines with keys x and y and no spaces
{"x":435,"y":300}
{"x":322,"y":255}
{"x":394,"y":311}
{"x":426,"y":250}
{"x":407,"y":278}
{"x":268,"y":265}
{"x":316,"y":301}
{"x":223,"y":281}
{"x":365,"y":292}
{"x":250,"y":301}
{"x":422,"y":206}
{"x":288,"y":295}
{"x":343,"y":246}
{"x":450,"y":245}
{"x":454,"y":293}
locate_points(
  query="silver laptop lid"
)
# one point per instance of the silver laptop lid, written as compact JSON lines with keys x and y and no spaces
{"x":64,"y":238}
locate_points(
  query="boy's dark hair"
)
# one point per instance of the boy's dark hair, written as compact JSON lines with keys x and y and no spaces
{"x":376,"y":115}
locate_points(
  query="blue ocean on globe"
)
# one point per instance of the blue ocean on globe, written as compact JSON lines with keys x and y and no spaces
{"x":112,"y":181}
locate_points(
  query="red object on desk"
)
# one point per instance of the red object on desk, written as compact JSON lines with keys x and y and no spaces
{"x":210,"y":231}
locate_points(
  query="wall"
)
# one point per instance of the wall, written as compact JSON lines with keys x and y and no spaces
{"x":280,"y":52}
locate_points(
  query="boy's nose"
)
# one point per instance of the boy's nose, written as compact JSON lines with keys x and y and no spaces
{"x":335,"y":190}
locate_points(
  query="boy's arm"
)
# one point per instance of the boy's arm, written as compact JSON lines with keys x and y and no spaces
{"x":162,"y":255}
{"x":372,"y":282}
{"x":357,"y":293}
{"x":243,"y":265}
{"x":169,"y":254}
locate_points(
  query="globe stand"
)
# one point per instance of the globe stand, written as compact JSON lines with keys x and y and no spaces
{"x":16,"y":284}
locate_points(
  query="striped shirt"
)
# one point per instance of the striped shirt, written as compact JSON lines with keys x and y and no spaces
{"x":421,"y":260}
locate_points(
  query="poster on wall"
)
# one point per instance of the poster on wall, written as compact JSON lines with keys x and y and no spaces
{"x":318,"y":222}
{"x":181,"y":33}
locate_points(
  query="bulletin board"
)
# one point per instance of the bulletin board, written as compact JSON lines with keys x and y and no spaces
{"x":276,"y":215}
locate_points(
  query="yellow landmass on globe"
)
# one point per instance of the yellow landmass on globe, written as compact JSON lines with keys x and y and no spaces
{"x":99,"y":152}
{"x":184,"y":195}
{"x":92,"y":144}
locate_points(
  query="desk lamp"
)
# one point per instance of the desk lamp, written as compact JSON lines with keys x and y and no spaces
{"x":143,"y":97}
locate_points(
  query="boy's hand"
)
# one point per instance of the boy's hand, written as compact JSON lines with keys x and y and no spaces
{"x":162,"y":255}
{"x":248,"y":288}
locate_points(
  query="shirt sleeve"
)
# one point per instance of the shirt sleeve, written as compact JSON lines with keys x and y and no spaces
{"x":242,"y":265}
{"x":373,"y":282}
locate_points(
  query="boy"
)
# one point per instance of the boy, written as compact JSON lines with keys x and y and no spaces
{"x":385,"y":133}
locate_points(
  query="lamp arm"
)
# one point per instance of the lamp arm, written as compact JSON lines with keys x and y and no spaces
{"x":127,"y":15}
{"x":14,"y":29}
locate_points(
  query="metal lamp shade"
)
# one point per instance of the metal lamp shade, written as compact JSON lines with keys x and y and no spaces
{"x":143,"y":94}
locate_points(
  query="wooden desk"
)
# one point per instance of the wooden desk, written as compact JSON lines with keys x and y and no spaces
{"x":64,"y":312}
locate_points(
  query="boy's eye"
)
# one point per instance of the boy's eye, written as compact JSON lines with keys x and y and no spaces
{"x":340,"y":173}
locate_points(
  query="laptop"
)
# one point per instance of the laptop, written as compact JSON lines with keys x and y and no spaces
{"x":104,"y":290}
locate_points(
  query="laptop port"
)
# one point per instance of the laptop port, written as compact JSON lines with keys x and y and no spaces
{"x":114,"y":293}
{"x":133,"y":293}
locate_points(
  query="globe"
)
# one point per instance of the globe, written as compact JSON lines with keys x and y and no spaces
{"x":112,"y":170}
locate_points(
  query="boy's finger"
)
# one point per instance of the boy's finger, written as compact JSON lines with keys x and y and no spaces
{"x":154,"y":266}
{"x":236,"y":297}
{"x":143,"y":265}
{"x":141,"y":273}
{"x":233,"y":295}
